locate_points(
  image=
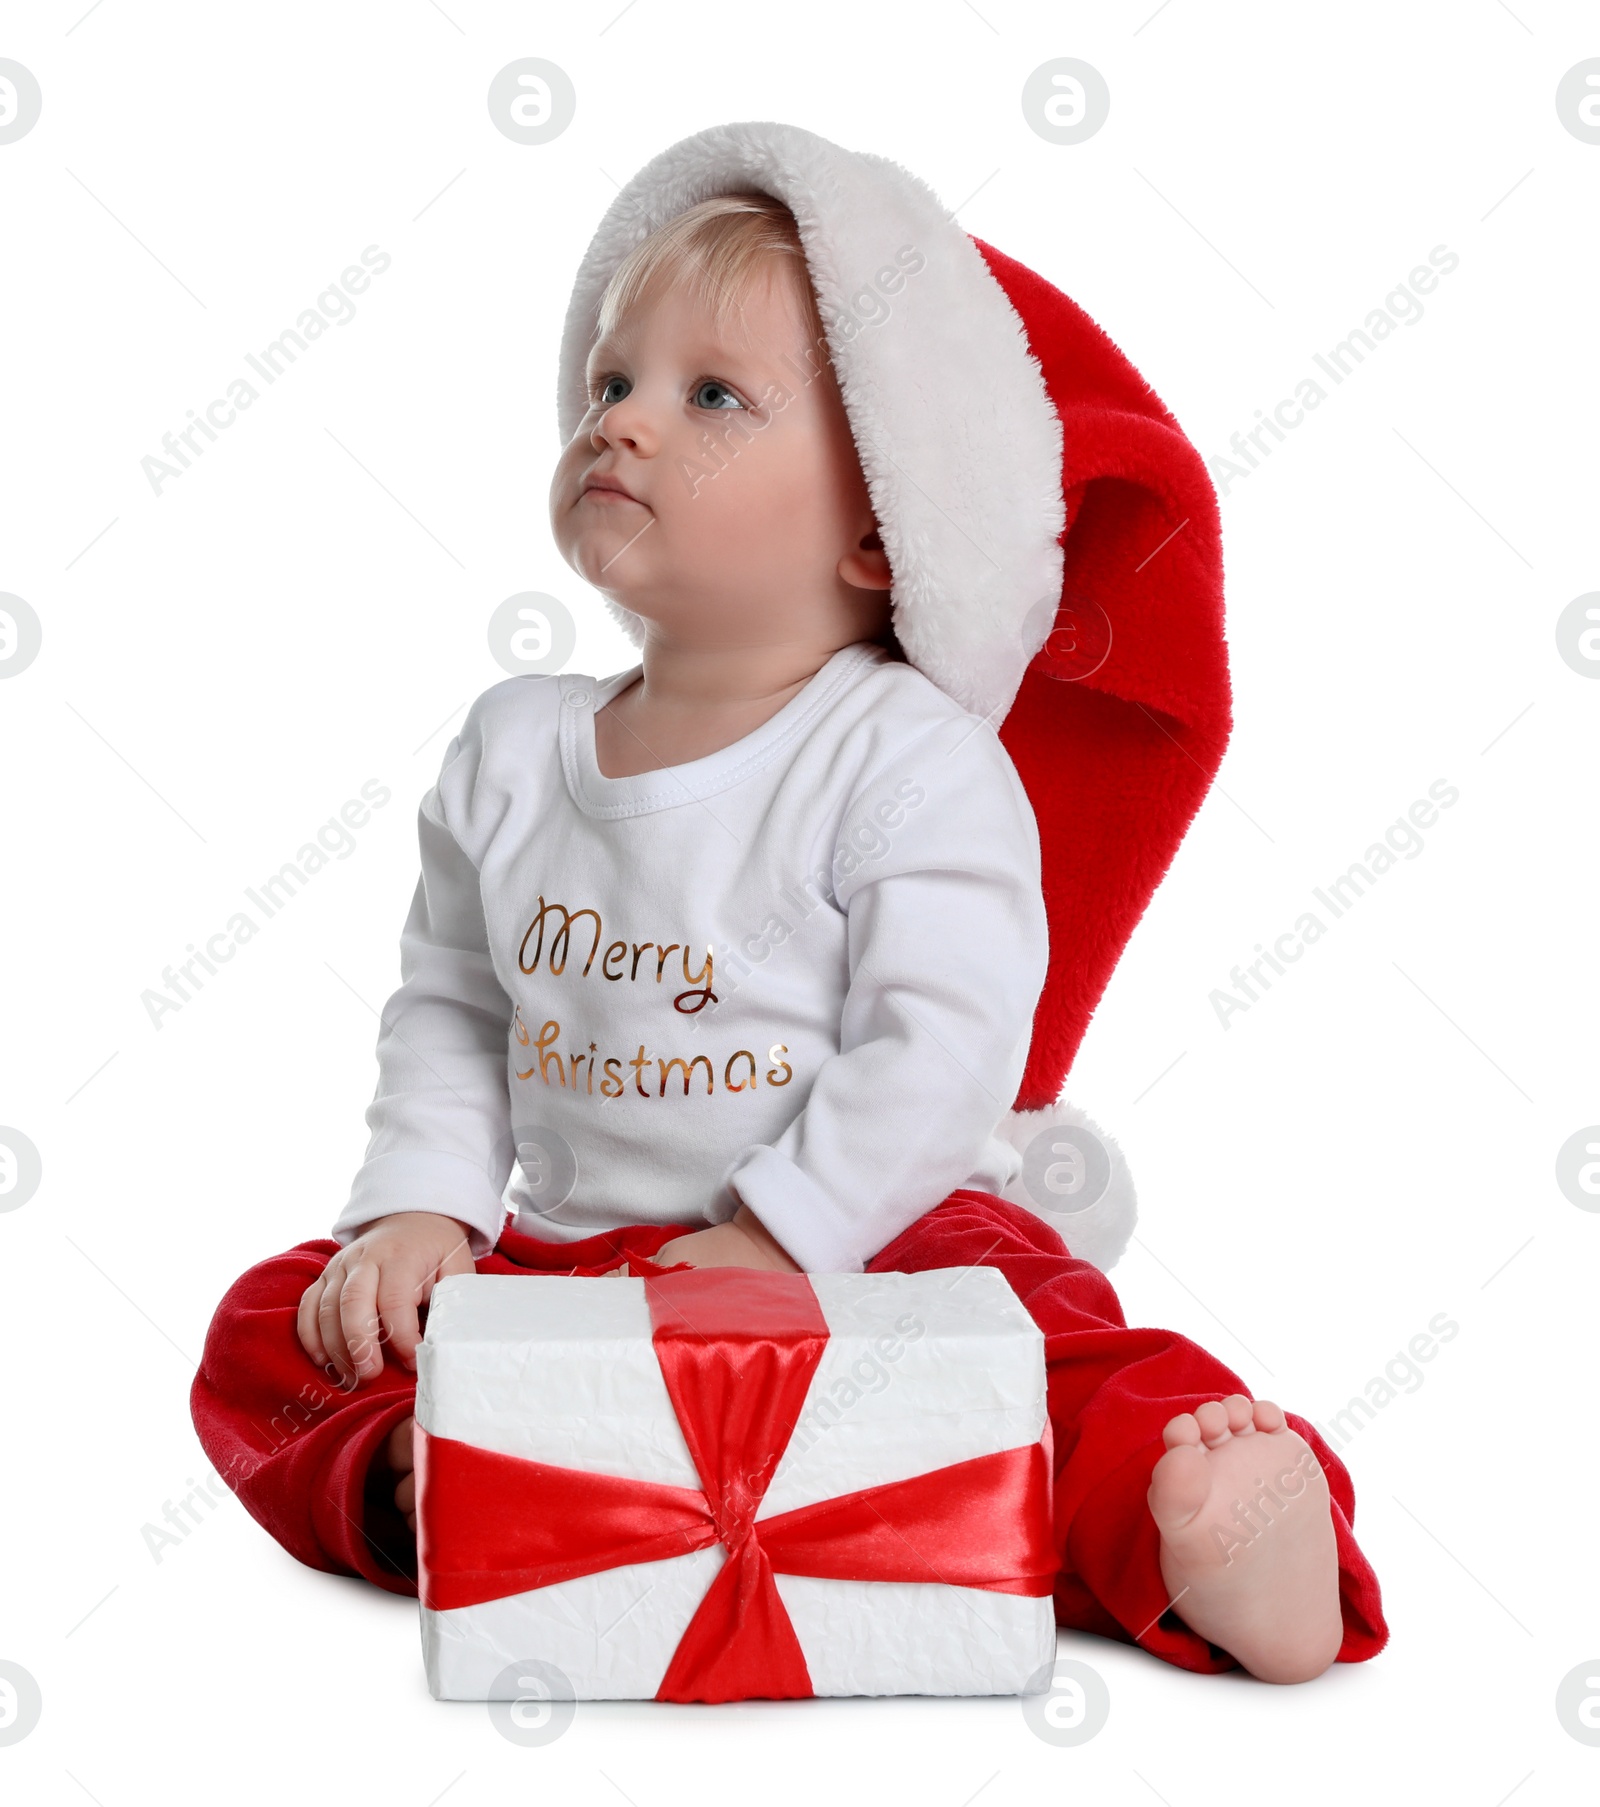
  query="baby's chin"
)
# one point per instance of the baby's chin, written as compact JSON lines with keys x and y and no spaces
{"x":597,"y":557}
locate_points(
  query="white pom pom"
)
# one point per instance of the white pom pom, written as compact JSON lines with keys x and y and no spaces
{"x":1078,"y":1184}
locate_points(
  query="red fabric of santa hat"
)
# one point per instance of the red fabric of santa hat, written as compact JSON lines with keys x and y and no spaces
{"x":1053,"y":537}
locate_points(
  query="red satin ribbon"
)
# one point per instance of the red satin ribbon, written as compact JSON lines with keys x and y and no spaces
{"x":738,"y":1350}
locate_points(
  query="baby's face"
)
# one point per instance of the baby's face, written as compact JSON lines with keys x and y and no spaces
{"x":713,"y":485}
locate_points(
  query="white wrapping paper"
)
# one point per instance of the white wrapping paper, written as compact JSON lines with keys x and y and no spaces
{"x":920,"y":1371}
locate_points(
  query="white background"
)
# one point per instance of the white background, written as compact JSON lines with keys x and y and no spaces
{"x":1371,"y":1144}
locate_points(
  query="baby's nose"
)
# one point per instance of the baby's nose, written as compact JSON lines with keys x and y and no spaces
{"x":627,"y":424}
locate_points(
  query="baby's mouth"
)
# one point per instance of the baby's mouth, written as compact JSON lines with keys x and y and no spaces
{"x":607,"y":493}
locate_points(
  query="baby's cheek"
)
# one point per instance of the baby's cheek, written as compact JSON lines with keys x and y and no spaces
{"x":563,"y":482}
{"x":778,"y":531}
{"x":787,"y":485}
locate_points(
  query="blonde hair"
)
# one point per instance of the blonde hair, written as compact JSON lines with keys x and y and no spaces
{"x":712,"y":251}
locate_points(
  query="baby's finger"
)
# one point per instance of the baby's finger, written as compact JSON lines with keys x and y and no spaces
{"x":330,"y":1325}
{"x":405,"y":1494}
{"x":358,"y":1316}
{"x":397,"y":1306}
{"x":306,"y":1320}
{"x":400,"y":1451}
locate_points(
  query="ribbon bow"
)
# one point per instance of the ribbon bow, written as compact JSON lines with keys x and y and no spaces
{"x":738,"y":1350}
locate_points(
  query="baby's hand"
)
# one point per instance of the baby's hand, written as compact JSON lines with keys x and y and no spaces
{"x":744,"y":1241}
{"x":370,"y":1291}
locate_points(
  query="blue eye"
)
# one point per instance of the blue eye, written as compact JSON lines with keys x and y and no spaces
{"x":604,"y":395}
{"x":716,"y":390}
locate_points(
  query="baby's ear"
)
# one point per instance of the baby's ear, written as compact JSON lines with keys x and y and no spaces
{"x":867,"y":566}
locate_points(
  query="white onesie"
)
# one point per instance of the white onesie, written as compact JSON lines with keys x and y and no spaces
{"x":800,"y":972}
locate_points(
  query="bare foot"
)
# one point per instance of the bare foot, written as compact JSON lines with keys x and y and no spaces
{"x":1247,"y":1543}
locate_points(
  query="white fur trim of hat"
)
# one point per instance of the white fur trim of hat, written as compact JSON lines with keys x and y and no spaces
{"x":1066,"y":1167}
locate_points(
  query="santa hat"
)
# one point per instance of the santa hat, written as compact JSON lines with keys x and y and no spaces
{"x":1053,"y":538}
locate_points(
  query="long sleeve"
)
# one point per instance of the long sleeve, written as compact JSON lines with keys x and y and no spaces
{"x":440,"y":1119}
{"x":937,"y":868}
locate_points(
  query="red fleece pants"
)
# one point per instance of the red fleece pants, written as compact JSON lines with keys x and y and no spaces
{"x":300,"y":1452}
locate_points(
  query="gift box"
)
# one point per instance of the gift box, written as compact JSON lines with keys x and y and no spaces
{"x":719,"y":1484}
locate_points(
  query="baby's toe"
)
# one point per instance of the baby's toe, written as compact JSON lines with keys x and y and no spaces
{"x":1181,"y":1430}
{"x":1268,"y":1416}
{"x":1241,"y":1414}
{"x":1212,"y":1417}
{"x":1179,"y":1486}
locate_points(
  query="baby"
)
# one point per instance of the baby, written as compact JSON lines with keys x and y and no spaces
{"x":731,"y":960}
{"x":805,"y":1110}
